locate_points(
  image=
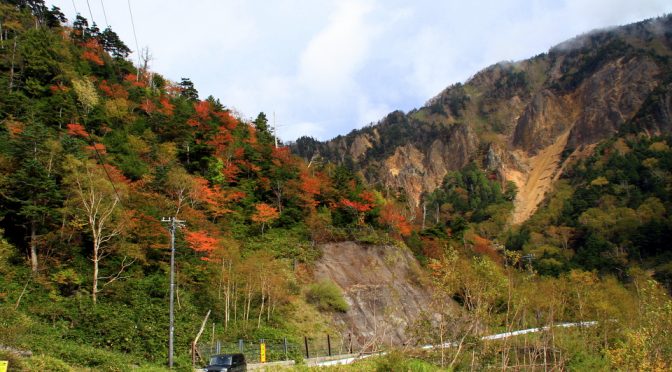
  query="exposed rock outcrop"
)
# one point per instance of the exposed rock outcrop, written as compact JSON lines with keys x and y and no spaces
{"x":382,"y":285}
{"x":521,"y":120}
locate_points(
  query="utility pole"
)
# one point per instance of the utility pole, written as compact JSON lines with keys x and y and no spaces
{"x":174,"y":224}
{"x":275,"y":131}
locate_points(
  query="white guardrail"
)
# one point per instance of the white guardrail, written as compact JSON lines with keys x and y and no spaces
{"x":497,"y":336}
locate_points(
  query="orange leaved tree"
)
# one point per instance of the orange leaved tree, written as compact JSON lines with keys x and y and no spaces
{"x":265,"y":214}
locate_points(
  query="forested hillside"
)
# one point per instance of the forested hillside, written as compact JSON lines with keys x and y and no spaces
{"x":563,"y":156}
{"x":95,"y":152}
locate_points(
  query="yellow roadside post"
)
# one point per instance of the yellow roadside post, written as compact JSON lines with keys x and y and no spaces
{"x":262,"y":352}
{"x":3,"y":365}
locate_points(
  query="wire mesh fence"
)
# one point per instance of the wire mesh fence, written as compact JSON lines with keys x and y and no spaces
{"x":279,"y":350}
{"x":315,"y":347}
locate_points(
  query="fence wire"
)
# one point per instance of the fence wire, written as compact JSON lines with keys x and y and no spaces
{"x":278,"y":350}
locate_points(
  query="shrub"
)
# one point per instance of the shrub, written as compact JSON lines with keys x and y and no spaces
{"x":15,"y":362}
{"x":47,"y":363}
{"x":327,"y":296}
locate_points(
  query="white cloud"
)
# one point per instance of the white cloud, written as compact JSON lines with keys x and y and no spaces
{"x":370,"y":112}
{"x":326,"y":67}
{"x":332,"y":57}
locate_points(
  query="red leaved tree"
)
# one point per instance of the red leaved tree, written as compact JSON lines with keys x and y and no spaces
{"x":311,"y":186}
{"x":360,"y":207}
{"x":390,"y":217}
{"x":78,"y":130}
{"x":201,"y":241}
{"x":265,"y":214}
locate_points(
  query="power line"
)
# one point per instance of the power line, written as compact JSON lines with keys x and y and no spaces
{"x":102,"y":163}
{"x":90,"y":12}
{"x":98,"y":155}
{"x":135,"y":36}
{"x":102,"y":4}
{"x":93,"y":143}
{"x":75,"y":7}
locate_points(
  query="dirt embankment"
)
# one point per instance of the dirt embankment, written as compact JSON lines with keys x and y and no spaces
{"x":544,"y":170}
{"x":382,"y":285}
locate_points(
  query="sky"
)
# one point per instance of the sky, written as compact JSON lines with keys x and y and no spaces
{"x":325,"y":67}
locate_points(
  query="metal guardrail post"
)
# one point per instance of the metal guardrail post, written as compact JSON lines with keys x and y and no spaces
{"x":285,"y":347}
{"x":328,"y":345}
{"x":218,"y":347}
{"x":241,"y":346}
{"x":305,"y":342}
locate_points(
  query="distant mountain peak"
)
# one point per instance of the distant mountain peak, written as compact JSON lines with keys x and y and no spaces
{"x":534,"y":113}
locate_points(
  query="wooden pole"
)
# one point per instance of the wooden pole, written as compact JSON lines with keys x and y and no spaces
{"x":212,"y":344}
{"x":195,"y":342}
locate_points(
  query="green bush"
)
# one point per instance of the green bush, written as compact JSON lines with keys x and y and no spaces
{"x":15,"y":362}
{"x":327,"y":296}
{"x":47,"y":363}
{"x":12,"y":324}
{"x":394,"y":361}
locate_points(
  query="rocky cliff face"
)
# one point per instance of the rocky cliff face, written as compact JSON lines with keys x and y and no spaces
{"x":383,"y":287}
{"x":521,"y":120}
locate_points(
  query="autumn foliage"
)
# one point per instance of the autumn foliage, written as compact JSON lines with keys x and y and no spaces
{"x":93,"y":52}
{"x":264,"y":214}
{"x":310,"y":187}
{"x":78,"y":130}
{"x":97,"y":147}
{"x":358,"y":206}
{"x":200,"y":241}
{"x":390,"y":216}
{"x":484,"y":247}
{"x":113,"y":90}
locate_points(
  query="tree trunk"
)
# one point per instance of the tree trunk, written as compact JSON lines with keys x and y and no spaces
{"x":278,"y":196}
{"x":194,"y":343}
{"x":261,"y":308}
{"x":227,"y":296}
{"x":11,"y":70}
{"x":94,"y":290}
{"x":443,"y":347}
{"x":249,"y":302}
{"x":221,"y":281}
{"x":424,"y":214}
{"x":33,"y":246}
{"x":235,"y":302}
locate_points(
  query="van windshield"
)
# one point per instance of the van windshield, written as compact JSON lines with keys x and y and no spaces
{"x":222,"y":360}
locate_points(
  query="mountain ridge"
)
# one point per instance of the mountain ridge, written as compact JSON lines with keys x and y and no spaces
{"x":519,"y":120}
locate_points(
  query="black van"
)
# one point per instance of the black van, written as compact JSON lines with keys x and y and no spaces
{"x":227,"y":362}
